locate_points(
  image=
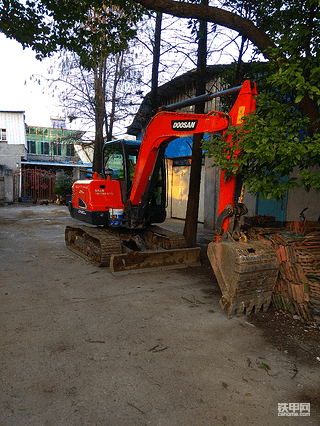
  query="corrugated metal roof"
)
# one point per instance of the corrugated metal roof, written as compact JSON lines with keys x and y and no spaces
{"x":14,"y":112}
{"x":48,"y":163}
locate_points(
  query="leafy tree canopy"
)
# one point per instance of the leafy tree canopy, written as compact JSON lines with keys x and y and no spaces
{"x":284,"y":132}
{"x":273,"y":141}
{"x":86,"y":27}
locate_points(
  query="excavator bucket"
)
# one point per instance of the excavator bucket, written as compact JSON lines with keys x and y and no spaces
{"x":246,"y":273}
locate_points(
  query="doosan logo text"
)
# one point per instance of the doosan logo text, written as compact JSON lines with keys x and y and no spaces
{"x":184,"y":124}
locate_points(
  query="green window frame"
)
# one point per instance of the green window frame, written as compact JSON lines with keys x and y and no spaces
{"x":57,"y":148}
{"x":70,"y":150}
{"x":32,"y":147}
{"x":45,"y":148}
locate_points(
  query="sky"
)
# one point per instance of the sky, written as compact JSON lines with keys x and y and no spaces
{"x":18,"y":92}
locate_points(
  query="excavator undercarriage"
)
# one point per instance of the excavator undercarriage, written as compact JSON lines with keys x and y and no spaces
{"x":127,"y":251}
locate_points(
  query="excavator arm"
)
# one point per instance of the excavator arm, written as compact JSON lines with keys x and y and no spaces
{"x":245,"y":103}
{"x":162,"y":129}
{"x":166,"y":126}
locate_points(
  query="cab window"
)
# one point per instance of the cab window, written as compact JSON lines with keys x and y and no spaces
{"x":113,"y":159}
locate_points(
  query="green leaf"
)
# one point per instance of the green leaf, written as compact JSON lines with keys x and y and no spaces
{"x":299,"y":98}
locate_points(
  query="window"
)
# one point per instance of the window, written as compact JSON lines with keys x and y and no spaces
{"x":45,"y":148}
{"x":3,"y":135}
{"x":132,"y":154}
{"x":70,"y":150}
{"x":113,"y":159}
{"x":32,"y":149}
{"x":56,"y":149}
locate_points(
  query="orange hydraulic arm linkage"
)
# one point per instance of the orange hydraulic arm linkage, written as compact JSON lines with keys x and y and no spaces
{"x":245,"y":103}
{"x":162,"y":129}
{"x":166,"y":126}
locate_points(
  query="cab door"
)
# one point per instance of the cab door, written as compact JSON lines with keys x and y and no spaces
{"x":114,"y":160}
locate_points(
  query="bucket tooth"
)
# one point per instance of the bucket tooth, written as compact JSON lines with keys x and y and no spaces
{"x":224,"y":303}
{"x":249,"y":309}
{"x":230,"y":312}
{"x":257,"y":307}
{"x":240,"y":310}
{"x":266,"y":304}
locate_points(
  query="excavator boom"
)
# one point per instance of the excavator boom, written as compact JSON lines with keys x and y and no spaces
{"x":162,"y":129}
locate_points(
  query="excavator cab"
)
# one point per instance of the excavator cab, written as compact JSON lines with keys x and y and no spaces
{"x":120,"y":160}
{"x":106,"y":200}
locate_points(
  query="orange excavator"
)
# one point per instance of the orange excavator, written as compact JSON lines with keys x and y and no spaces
{"x":123,"y":205}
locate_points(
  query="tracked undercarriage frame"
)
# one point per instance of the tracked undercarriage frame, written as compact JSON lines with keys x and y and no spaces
{"x":126,"y":251}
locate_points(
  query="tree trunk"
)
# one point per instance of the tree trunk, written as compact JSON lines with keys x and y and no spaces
{"x":155,"y":65}
{"x":99,"y":86}
{"x":117,"y":78}
{"x":191,"y":223}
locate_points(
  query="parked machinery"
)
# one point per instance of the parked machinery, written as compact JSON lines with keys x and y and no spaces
{"x":130,"y":198}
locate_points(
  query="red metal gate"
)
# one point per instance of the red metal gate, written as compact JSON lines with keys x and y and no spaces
{"x":33,"y":184}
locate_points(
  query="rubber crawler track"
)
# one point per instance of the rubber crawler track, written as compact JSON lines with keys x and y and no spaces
{"x":98,"y":244}
{"x":95,"y":244}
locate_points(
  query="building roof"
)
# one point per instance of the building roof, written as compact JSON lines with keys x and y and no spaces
{"x":14,"y":112}
{"x":54,"y":163}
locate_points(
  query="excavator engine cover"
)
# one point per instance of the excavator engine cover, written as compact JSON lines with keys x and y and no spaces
{"x":246,"y":272}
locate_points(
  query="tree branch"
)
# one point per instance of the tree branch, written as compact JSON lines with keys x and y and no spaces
{"x":213,"y":14}
{"x":234,"y":22}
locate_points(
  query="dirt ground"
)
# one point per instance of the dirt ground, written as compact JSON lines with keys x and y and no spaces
{"x":82,"y":347}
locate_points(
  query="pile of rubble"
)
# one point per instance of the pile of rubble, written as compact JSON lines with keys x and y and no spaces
{"x":298,"y":247}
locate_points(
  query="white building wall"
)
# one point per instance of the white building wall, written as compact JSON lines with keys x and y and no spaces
{"x":14,"y":124}
{"x":12,"y":150}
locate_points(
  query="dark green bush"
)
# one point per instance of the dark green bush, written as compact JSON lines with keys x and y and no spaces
{"x":63,"y":185}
